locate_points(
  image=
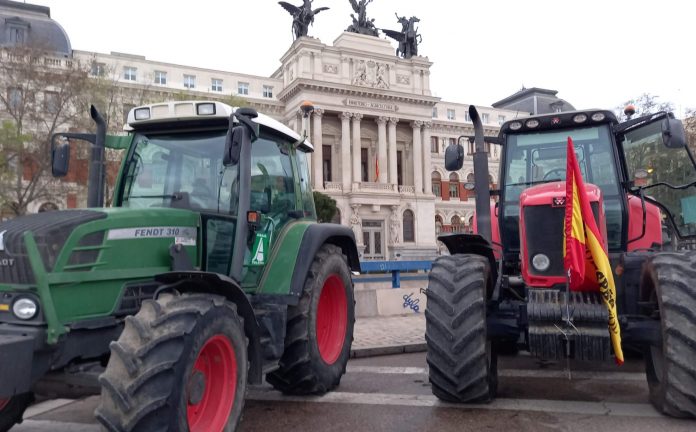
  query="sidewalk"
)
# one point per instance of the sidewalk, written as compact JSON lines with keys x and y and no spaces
{"x":388,"y":335}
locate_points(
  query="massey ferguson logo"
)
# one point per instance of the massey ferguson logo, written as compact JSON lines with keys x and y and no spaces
{"x":558,"y":202}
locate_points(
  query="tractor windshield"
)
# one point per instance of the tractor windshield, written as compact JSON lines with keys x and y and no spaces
{"x":181,"y":171}
{"x":660,"y":170}
{"x":534,"y":158}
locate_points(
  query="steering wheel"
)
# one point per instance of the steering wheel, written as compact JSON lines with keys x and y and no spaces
{"x":560,"y":171}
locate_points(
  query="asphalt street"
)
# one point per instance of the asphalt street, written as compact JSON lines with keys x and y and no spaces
{"x":391,"y":393}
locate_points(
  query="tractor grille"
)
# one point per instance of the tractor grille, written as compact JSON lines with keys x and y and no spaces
{"x":133,"y":296}
{"x":544,"y":229}
{"x":51,"y":230}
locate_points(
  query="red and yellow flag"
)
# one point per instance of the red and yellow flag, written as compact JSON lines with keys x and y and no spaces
{"x":585,"y":254}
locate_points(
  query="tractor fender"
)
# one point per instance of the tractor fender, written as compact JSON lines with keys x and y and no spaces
{"x":213,"y":283}
{"x":471,"y":244}
{"x":314,"y":237}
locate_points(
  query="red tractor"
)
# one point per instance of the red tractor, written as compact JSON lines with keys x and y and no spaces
{"x":504,"y":287}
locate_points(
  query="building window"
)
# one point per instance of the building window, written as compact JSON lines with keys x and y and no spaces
{"x":409,"y":227}
{"x":434,"y":112}
{"x":267,"y":91}
{"x":243,"y":88}
{"x":466,"y":116}
{"x":14,"y":97}
{"x":501,"y":120}
{"x":129,"y":73}
{"x":399,"y":167}
{"x":452,"y":141}
{"x":451,"y":114}
{"x":216,"y":85}
{"x":471,"y":148}
{"x":189,"y":81}
{"x":470,"y":179}
{"x":97,"y":69}
{"x":436,"y":184}
{"x":485,"y":118}
{"x":18,"y":34}
{"x":434,"y":147}
{"x":454,"y":185}
{"x":160,"y":78}
{"x":363,"y":164}
{"x":51,"y":102}
{"x":326,"y":162}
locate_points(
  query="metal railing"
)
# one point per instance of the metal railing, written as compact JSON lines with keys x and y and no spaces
{"x":414,"y":268}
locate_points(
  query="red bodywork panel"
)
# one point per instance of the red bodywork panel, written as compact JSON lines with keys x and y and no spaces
{"x":653,"y":225}
{"x":552,"y":195}
{"x":495,"y":230}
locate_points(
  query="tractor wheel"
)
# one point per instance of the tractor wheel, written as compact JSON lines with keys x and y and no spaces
{"x":12,"y":409}
{"x":179,"y":365}
{"x":463,"y":365}
{"x":320,"y":328}
{"x":671,"y":368}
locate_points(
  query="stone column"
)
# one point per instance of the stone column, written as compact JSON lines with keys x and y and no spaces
{"x":417,"y":157}
{"x":356,"y":224}
{"x":345,"y":151}
{"x":382,"y":148}
{"x":357,"y":146}
{"x":393,"y":178}
{"x":427,"y":169}
{"x":317,"y":159}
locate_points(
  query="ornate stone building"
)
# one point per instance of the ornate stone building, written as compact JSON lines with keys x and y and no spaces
{"x":379,"y":133}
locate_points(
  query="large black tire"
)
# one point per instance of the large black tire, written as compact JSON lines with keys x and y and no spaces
{"x":150,"y":383}
{"x":671,"y":368}
{"x":463,"y":367}
{"x":12,"y":409}
{"x":317,"y":342}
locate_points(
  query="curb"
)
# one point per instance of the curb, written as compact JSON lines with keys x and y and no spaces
{"x":387,"y":350}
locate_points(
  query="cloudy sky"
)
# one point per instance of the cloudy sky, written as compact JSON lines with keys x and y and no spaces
{"x":595,"y":53}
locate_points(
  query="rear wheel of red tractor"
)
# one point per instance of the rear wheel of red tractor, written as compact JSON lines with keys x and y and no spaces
{"x":179,"y":365}
{"x":463,"y":365}
{"x":671,"y":368}
{"x":12,"y":409}
{"x":319,"y":329}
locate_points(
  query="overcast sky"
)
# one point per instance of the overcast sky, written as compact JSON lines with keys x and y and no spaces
{"x":595,"y":53}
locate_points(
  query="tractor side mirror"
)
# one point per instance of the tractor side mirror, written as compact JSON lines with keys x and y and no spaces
{"x":60,"y":157}
{"x":454,"y":157}
{"x":233,"y":146}
{"x":673,"y":134}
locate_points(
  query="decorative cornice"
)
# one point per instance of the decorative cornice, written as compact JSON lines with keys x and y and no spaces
{"x":416,"y":124}
{"x":393,"y":120}
{"x":357,"y":117}
{"x":345,"y":115}
{"x":382,"y":120}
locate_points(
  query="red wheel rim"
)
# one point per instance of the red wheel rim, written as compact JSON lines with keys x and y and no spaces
{"x":3,"y":402}
{"x":332,"y":319}
{"x":209,"y":407}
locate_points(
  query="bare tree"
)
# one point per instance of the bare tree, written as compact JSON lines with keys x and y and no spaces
{"x":39,"y":95}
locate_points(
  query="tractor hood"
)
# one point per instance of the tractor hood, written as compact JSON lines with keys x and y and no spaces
{"x":85,"y":230}
{"x":553,"y":194}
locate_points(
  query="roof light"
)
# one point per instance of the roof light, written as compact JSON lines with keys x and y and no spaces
{"x":142,"y":114}
{"x":532,"y":123}
{"x":598,"y":116}
{"x":580,"y":118}
{"x":205,"y":109}
{"x":515,"y":126}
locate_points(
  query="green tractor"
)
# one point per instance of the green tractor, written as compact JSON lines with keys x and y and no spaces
{"x":209,"y":273}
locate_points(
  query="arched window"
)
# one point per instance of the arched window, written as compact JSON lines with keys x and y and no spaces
{"x":454,"y":185}
{"x":438,"y":220}
{"x":409,"y":227}
{"x":456,"y":223}
{"x":438,"y":224}
{"x":471,"y":224}
{"x":437,"y":184}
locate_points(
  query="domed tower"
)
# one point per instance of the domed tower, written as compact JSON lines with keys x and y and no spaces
{"x":28,"y":24}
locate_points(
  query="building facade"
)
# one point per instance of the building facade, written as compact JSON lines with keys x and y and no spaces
{"x":379,"y":133}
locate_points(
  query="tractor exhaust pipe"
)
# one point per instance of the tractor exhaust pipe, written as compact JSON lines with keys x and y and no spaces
{"x":481,"y":178}
{"x":95,"y":186}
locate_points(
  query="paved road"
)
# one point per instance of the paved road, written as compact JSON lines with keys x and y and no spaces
{"x":392,"y":393}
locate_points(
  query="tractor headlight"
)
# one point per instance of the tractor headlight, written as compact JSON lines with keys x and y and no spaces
{"x":25,"y":308}
{"x":541,"y":262}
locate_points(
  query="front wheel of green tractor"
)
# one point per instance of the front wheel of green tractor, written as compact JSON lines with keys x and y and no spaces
{"x":179,"y":365}
{"x":319,"y":330}
{"x":12,"y":409}
{"x":462,"y":362}
{"x":671,"y":367}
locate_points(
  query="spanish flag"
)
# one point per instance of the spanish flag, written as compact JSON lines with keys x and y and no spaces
{"x":585,"y":254}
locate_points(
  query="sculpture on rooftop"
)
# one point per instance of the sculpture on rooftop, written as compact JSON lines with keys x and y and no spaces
{"x":362,"y":24}
{"x":302,"y":16}
{"x":408,"y":37}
